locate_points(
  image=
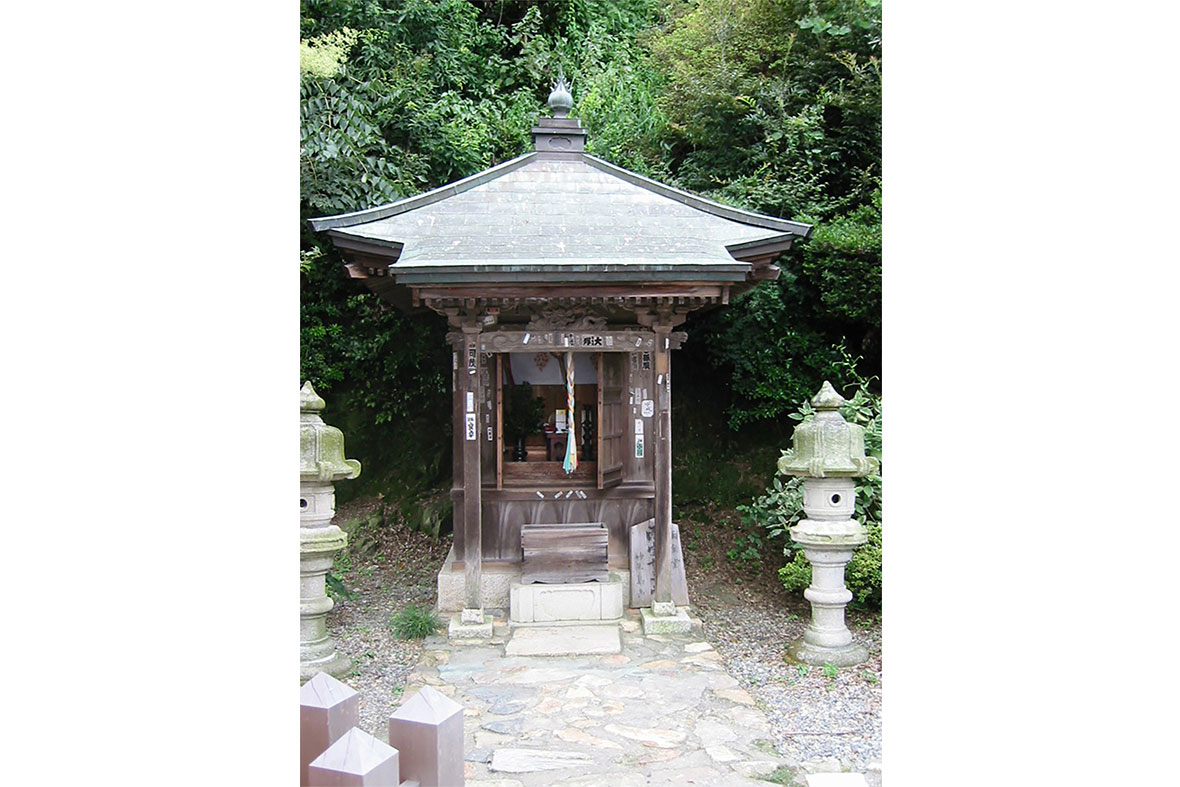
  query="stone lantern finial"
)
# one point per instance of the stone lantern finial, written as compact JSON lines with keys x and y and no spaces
{"x":560,"y":100}
{"x":827,"y":398}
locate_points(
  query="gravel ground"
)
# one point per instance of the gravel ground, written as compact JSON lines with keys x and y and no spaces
{"x":399,"y":570}
{"x":749,"y":617}
{"x":819,"y":722}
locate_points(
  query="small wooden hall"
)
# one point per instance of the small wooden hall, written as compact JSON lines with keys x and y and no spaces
{"x":563,"y":279}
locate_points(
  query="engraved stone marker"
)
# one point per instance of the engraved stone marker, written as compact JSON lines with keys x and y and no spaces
{"x":643,"y":558}
{"x":356,"y":760}
{"x":428,"y":732}
{"x":327,"y":710}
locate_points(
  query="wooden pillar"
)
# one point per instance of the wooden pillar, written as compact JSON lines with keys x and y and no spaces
{"x":663,"y":471}
{"x":470,"y":425}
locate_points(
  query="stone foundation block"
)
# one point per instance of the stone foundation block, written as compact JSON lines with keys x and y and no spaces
{"x":582,"y":601}
{"x":665,"y":624}
{"x":804,"y":652}
{"x":495,"y":585}
{"x":460,"y":630}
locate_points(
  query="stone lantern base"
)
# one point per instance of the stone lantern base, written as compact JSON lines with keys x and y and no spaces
{"x":828,"y":546}
{"x":804,"y":652}
{"x":337,"y":665}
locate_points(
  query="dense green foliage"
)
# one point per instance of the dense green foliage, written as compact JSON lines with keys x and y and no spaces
{"x":782,"y":505}
{"x":770,"y":105}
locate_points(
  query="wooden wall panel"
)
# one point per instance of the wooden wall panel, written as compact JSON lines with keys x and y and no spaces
{"x":502,"y":520}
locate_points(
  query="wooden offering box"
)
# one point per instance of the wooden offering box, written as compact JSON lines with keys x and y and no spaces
{"x":574,"y":552}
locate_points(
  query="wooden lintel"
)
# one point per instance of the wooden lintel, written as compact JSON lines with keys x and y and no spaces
{"x":637,"y":291}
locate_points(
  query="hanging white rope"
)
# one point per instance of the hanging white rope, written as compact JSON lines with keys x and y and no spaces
{"x":571,"y":443}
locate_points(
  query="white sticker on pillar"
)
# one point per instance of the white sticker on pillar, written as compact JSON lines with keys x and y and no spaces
{"x":489,"y":434}
{"x":471,"y":426}
{"x":638,"y":446}
{"x":454,"y":360}
{"x":471,"y":401}
{"x":638,"y":426}
{"x":659,"y":379}
{"x":526,"y":337}
{"x":649,"y":408}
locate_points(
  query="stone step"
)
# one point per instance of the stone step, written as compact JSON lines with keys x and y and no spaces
{"x":564,"y":640}
{"x":580,"y":601}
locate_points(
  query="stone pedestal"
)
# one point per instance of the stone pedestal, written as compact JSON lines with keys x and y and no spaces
{"x":470,"y":624}
{"x":319,"y":542}
{"x":828,"y":546}
{"x":665,"y":619}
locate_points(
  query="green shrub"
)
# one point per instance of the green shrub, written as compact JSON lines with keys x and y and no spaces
{"x":781,"y":506}
{"x":415,"y":622}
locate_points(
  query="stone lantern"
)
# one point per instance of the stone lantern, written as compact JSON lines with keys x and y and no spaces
{"x":829,"y":453}
{"x":321,"y":461}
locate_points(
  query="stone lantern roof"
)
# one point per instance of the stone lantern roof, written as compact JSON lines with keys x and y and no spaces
{"x":321,"y":447}
{"x":828,"y":446}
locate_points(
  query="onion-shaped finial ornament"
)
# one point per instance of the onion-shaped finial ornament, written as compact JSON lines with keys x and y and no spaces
{"x":560,"y":100}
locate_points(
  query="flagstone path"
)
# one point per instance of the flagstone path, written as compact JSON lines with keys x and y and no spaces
{"x":663,"y":711}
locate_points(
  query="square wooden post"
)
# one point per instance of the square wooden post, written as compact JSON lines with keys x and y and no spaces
{"x":428,"y":732}
{"x":327,"y":710}
{"x":662,"y":598}
{"x":472,"y":529}
{"x":356,"y":760}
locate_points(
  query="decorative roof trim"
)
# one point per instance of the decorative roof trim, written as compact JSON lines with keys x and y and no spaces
{"x":410,"y":203}
{"x":751,"y":249}
{"x":700,"y":203}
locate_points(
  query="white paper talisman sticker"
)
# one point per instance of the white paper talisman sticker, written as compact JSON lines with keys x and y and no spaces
{"x":471,"y":426}
{"x":649,"y":408}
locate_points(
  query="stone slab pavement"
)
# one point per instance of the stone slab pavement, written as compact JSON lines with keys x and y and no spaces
{"x":662,"y":711}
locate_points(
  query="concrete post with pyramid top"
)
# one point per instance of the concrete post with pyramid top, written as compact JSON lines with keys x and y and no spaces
{"x":327,"y":710}
{"x":321,"y":461}
{"x":428,"y":732}
{"x":356,"y":760}
{"x":829,"y":453}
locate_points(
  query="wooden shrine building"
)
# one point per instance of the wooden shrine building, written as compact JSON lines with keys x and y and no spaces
{"x":554,"y":265}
